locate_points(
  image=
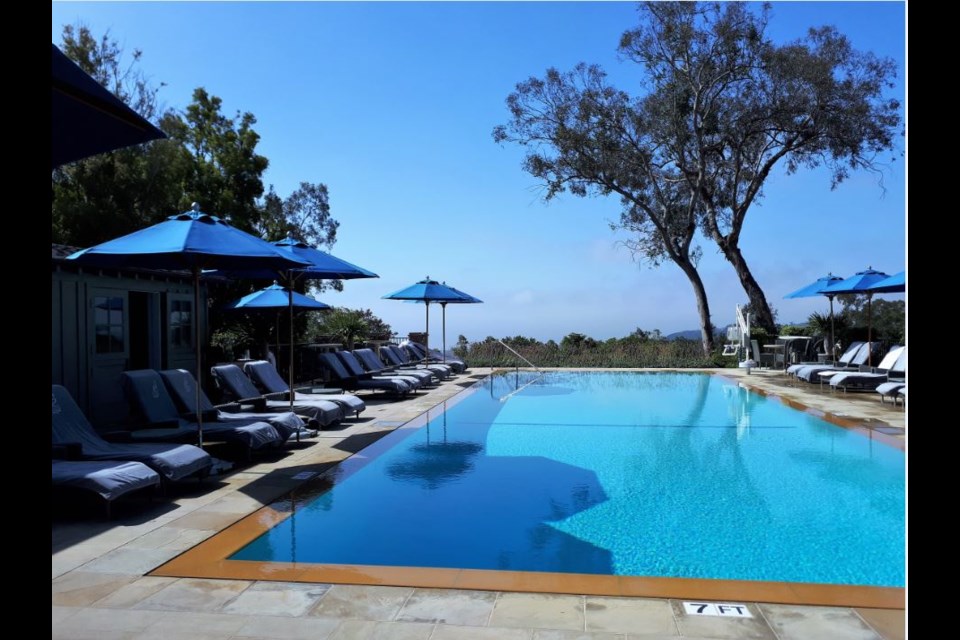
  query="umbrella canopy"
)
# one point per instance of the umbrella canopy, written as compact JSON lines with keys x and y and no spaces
{"x":86,"y":118}
{"x":276,"y":297}
{"x":193,"y":241}
{"x":860,"y":282}
{"x":315,"y":265}
{"x":897,"y":283}
{"x":428,"y":291}
{"x":816,"y":288}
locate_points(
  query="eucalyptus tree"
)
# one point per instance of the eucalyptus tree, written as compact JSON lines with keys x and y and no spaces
{"x":721,"y":106}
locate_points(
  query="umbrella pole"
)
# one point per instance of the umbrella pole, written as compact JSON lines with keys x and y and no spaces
{"x":869,"y":331}
{"x":290,"y":300}
{"x":833,"y":338}
{"x":196,"y":332}
{"x":426,"y":338}
{"x":443,"y":305}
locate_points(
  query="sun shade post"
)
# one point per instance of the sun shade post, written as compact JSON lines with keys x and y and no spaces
{"x":199,"y":351}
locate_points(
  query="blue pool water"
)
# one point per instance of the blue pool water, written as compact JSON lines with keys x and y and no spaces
{"x":639,"y":474}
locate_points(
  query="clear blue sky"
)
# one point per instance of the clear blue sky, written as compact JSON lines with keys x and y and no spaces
{"x":392,"y":104}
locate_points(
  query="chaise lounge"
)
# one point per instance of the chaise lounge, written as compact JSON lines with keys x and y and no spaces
{"x":265,"y":376}
{"x":148,"y":394}
{"x":107,"y":479}
{"x":231,"y":378}
{"x":70,"y":427}
{"x":338,"y":371}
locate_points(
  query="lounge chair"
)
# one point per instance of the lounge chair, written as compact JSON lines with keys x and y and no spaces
{"x":148,"y":394}
{"x":265,"y":375}
{"x":352,"y":363}
{"x":844,"y":360}
{"x":339,"y":372}
{"x":183,"y":389}
{"x":232,"y":378}
{"x":891,"y":390}
{"x":172,"y":461}
{"x":372,"y":363}
{"x":400,"y":358}
{"x":893,"y":367}
{"x":420,"y":352}
{"x":108,"y":479}
{"x":812,"y":373}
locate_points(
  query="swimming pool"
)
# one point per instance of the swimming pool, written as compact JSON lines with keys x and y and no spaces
{"x":612,"y":473}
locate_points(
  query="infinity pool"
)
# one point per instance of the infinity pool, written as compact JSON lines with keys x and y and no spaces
{"x":630,"y":474}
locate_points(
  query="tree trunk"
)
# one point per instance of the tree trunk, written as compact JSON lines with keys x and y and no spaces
{"x":703,"y":307}
{"x":762,"y":316}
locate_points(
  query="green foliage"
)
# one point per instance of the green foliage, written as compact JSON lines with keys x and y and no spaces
{"x":347,"y":326}
{"x":887,"y":318}
{"x":578,"y":350}
{"x":796,"y":330}
{"x":236,"y":337}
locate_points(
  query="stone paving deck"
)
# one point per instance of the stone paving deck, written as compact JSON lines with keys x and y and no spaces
{"x":100,"y":589}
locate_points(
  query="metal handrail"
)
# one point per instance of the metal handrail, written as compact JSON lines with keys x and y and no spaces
{"x":513,"y":351}
{"x":533,"y":366}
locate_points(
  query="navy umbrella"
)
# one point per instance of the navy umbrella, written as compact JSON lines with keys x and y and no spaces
{"x":86,"y":119}
{"x":428,"y":291}
{"x":314,"y":265}
{"x":817,"y":288}
{"x":192,"y":241}
{"x":860,"y":282}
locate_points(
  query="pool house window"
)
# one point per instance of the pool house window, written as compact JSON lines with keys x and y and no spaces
{"x":181,"y":323}
{"x":108,"y":324}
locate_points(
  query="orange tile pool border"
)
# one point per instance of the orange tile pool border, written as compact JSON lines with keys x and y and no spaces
{"x":209,"y":559}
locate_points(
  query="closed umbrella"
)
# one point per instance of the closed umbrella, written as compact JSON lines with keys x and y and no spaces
{"x":860,"y":282}
{"x":86,"y":119}
{"x":816,"y":288}
{"x":192,"y":241}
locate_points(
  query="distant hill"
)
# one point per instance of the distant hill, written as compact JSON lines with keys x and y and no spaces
{"x":694,"y":334}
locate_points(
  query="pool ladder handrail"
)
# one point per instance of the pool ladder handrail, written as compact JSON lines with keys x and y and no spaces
{"x":535,"y":368}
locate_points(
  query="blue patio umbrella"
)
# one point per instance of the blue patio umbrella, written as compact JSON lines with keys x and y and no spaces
{"x":428,"y":291}
{"x":897,"y":283}
{"x":86,"y":119}
{"x":465,"y":298}
{"x":860,"y":282}
{"x":315,"y":265}
{"x":816,"y":288}
{"x":191,"y":241}
{"x":276,"y":297}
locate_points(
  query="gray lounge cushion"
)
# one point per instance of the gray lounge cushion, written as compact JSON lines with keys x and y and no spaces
{"x":374,"y":365}
{"x":183,"y":389}
{"x":146,"y":390}
{"x":265,"y":374}
{"x":109,"y":480}
{"x":339,"y":371}
{"x":353,"y":365}
{"x":173,"y":461}
{"x":242,"y":388}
